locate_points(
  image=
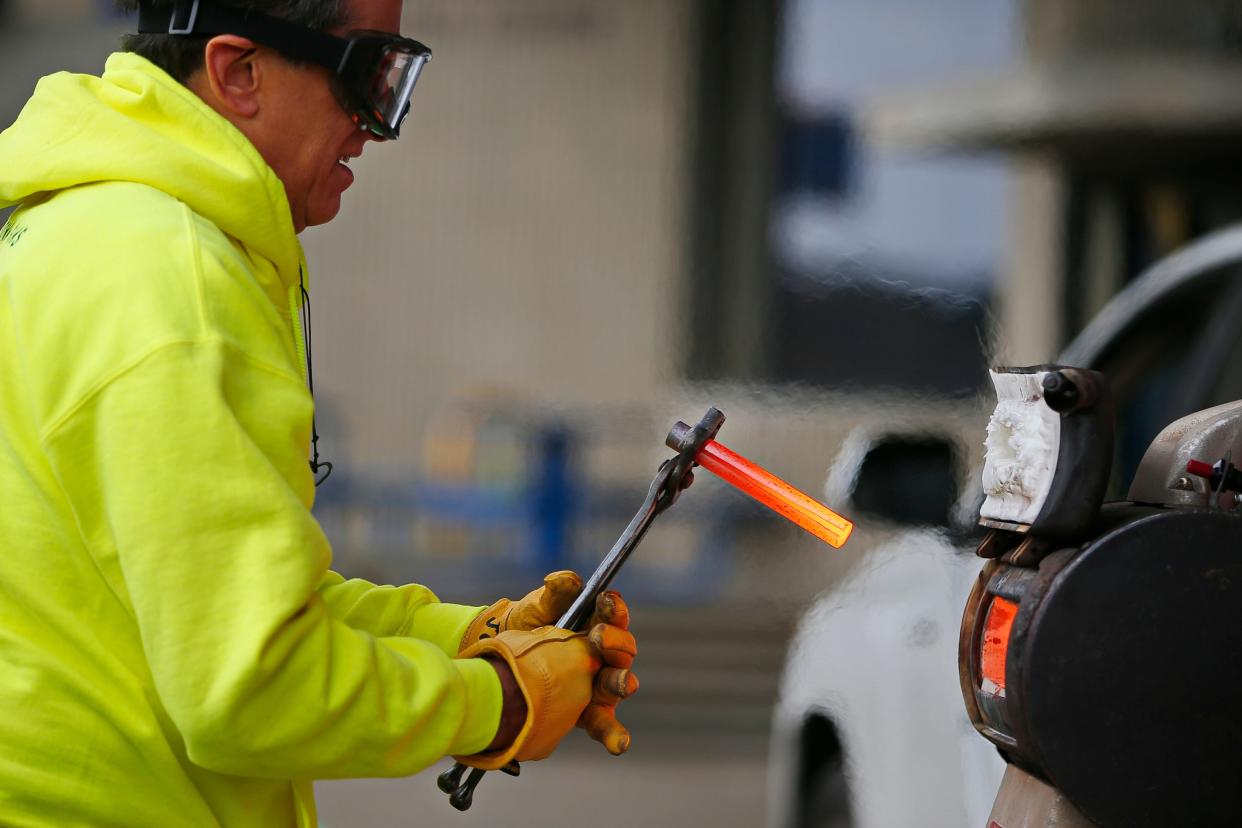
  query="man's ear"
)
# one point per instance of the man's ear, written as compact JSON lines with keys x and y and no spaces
{"x":232,"y":74}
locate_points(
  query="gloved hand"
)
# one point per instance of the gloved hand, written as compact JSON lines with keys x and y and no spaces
{"x":540,"y":608}
{"x":559,"y":675}
{"x":610,"y":634}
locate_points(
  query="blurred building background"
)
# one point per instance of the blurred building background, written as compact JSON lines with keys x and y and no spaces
{"x":825,"y":217}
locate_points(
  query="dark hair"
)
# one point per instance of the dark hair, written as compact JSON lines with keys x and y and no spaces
{"x":182,"y":56}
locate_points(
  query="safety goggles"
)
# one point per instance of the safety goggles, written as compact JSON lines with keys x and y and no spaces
{"x":374,"y":73}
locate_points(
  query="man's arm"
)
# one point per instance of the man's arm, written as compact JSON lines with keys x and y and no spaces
{"x":188,"y":469}
{"x":409,"y":610}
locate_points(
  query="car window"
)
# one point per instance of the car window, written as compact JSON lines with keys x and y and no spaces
{"x":1182,"y":355}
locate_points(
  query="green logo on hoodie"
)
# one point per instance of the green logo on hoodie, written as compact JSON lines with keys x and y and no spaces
{"x":12,"y":233}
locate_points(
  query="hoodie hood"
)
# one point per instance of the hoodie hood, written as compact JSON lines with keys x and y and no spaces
{"x":137,"y":124}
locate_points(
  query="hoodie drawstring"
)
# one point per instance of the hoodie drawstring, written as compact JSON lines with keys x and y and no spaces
{"x":302,"y":339}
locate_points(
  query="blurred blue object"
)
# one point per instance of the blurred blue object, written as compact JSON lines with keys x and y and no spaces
{"x":552,"y":496}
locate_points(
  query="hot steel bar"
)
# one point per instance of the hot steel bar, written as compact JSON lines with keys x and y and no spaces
{"x":775,"y":493}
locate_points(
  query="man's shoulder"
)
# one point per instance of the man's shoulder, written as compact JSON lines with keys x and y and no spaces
{"x":109,"y":235}
{"x":100,"y":248}
{"x":108,"y":215}
{"x":115,"y":241}
{"x":103,"y":275}
{"x":100,"y":275}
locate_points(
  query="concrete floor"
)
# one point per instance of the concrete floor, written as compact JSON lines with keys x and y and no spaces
{"x":661,"y":786}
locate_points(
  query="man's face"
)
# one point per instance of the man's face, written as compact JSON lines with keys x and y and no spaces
{"x":310,"y":138}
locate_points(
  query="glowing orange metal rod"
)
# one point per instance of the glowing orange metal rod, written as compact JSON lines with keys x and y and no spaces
{"x":775,"y":493}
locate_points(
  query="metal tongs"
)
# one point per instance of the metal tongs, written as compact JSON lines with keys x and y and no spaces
{"x":674,"y":476}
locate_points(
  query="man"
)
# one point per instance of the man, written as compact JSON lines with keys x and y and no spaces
{"x":175,"y":649}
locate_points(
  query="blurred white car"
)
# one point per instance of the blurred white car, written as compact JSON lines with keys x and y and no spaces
{"x":870,"y":730}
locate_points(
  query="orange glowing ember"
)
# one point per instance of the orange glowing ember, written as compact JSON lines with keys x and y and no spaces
{"x":775,"y":493}
{"x":994,"y":648}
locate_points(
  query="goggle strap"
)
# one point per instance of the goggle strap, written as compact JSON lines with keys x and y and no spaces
{"x":203,"y":18}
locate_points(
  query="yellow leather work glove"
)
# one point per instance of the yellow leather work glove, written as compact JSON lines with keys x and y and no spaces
{"x":559,"y":675}
{"x":540,"y":608}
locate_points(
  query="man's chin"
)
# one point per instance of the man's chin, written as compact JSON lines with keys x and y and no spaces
{"x":323,"y":212}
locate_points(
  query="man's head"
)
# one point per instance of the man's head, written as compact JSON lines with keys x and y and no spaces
{"x":287,"y":108}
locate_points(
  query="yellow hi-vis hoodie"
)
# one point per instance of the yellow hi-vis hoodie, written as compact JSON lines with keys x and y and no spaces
{"x":174,"y":650}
